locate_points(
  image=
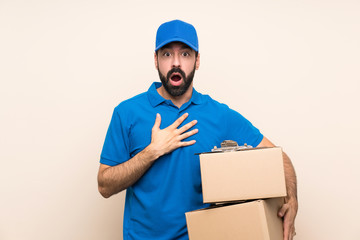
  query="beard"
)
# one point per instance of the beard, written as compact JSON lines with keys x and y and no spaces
{"x":176,"y":91}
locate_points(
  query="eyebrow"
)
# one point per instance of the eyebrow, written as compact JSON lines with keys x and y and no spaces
{"x":186,"y":47}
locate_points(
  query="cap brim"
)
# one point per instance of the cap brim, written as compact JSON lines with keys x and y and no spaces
{"x":176,"y":40}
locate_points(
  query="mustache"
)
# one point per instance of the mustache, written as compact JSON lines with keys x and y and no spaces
{"x":176,"y":70}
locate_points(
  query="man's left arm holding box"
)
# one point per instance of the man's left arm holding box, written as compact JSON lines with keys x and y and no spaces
{"x":289,"y":209}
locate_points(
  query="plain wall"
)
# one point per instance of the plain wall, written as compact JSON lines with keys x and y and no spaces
{"x":290,"y":67}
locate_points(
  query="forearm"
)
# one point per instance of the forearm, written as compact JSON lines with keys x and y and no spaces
{"x":289,"y":210}
{"x":112,"y":180}
{"x":115,"y":179}
{"x":291,"y":182}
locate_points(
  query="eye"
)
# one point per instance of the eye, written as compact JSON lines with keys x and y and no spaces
{"x":166,"y":54}
{"x":186,"y":54}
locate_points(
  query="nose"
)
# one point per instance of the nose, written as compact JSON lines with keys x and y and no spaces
{"x":176,"y":61}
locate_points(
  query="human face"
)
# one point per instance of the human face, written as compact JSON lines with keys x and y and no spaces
{"x":176,"y":64}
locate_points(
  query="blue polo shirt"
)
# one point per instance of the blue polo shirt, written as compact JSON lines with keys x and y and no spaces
{"x":155,"y":205}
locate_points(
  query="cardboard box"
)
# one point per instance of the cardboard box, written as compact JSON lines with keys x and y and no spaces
{"x":254,"y":173}
{"x":255,"y":220}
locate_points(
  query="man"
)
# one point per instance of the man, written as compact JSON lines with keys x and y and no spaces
{"x":156,"y":162}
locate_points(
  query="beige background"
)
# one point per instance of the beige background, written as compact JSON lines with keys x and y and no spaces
{"x":290,"y":67}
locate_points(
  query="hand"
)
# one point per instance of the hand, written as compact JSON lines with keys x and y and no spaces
{"x":166,"y":140}
{"x":288,"y":213}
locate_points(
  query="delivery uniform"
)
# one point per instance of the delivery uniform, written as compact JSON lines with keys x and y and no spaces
{"x":155,"y":205}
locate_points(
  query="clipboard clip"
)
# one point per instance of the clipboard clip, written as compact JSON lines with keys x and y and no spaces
{"x":230,"y":146}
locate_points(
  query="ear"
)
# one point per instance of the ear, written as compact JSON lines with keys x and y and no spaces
{"x":156,"y":60}
{"x":197,"y":62}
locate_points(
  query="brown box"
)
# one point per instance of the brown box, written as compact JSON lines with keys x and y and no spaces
{"x":255,"y":220}
{"x":254,"y":173}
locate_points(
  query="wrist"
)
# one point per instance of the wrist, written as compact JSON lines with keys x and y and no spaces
{"x":292,"y":201}
{"x":150,"y":153}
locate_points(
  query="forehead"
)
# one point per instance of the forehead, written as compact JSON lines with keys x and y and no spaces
{"x":176,"y":45}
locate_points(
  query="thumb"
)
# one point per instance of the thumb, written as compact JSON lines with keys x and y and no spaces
{"x":157,"y":122}
{"x":283,"y":210}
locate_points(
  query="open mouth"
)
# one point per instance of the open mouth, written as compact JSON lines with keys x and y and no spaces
{"x":176,"y":79}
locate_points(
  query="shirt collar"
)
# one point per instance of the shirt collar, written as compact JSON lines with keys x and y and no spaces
{"x":155,"y":98}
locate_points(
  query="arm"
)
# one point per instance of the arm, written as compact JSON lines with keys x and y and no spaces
{"x":112,"y":180}
{"x":289,"y":209}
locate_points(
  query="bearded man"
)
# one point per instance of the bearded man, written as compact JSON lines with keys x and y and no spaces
{"x":152,"y":139}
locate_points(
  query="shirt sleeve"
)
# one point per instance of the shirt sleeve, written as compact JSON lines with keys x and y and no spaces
{"x":241,"y":130}
{"x":116,"y":145}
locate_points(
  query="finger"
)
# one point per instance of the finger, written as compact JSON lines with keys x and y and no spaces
{"x":188,"y":134}
{"x":289,"y":231}
{"x":286,"y":231}
{"x":288,"y":226}
{"x":188,"y":143}
{"x":157,"y":122}
{"x":281,"y":213}
{"x":180,"y":120}
{"x":187,"y":126}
